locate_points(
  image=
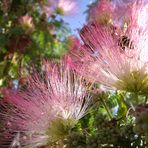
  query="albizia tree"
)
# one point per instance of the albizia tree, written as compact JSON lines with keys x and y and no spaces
{"x":115,"y":53}
{"x":44,"y":110}
{"x":47,"y":110}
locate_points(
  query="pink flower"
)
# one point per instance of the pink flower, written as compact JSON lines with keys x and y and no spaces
{"x":130,"y":9}
{"x":101,"y":12}
{"x":27,"y":23}
{"x":115,"y":56}
{"x":121,"y":11}
{"x":109,"y":12}
{"x":50,"y":102}
{"x":62,"y":7}
{"x":67,"y":7}
{"x":48,"y":8}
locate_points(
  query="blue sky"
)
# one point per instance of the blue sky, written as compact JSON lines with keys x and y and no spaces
{"x":78,"y":20}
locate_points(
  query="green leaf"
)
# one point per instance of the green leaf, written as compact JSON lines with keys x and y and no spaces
{"x":3,"y":40}
{"x":2,"y":68}
{"x":122,"y":110}
{"x":16,"y":31}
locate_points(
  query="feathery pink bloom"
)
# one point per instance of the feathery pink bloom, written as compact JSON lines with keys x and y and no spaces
{"x":115,"y":56}
{"x":109,"y":12}
{"x":67,"y":7}
{"x":48,"y":8}
{"x":27,"y":23}
{"x":35,"y":111}
{"x":101,"y":11}
{"x":62,"y":7}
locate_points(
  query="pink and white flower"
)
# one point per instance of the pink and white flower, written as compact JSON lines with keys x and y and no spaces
{"x":101,"y":12}
{"x":116,"y":56}
{"x":27,"y":23}
{"x":67,"y":7}
{"x":48,"y":8}
{"x":48,"y":102}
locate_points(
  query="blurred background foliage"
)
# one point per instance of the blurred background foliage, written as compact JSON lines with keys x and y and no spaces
{"x":29,"y":31}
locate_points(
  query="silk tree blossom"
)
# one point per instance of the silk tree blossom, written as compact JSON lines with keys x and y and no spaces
{"x":67,"y":7}
{"x":121,"y":8}
{"x":126,"y":10}
{"x":137,"y":29}
{"x":115,"y":56}
{"x":46,"y":108}
{"x":48,"y":8}
{"x":110,"y":12}
{"x":101,"y":12}
{"x":27,"y":23}
{"x":62,"y":7}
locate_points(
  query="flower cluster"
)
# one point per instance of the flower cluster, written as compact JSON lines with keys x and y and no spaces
{"x":115,"y":54}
